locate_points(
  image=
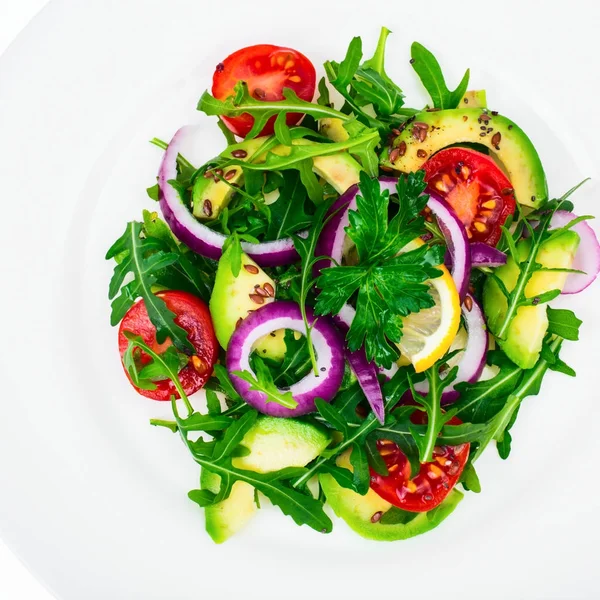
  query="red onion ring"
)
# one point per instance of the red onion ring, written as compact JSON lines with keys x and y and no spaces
{"x":456,"y":240}
{"x":198,"y":237}
{"x":328,"y":344}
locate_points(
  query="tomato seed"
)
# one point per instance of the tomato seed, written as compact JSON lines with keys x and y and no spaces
{"x":198,"y":364}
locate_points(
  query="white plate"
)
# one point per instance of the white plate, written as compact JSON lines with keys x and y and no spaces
{"x":93,"y":499}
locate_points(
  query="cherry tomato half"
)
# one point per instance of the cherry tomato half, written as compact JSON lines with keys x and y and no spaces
{"x":430,"y":486}
{"x":192,"y":315}
{"x":478,"y":191}
{"x":267,"y":69}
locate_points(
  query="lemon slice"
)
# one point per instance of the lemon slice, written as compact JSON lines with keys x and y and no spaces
{"x":428,"y":334}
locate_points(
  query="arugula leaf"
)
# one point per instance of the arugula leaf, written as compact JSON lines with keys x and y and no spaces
{"x":131,"y":366}
{"x":470,"y":479}
{"x":388,"y":286}
{"x":354,"y":434}
{"x":243,"y":102}
{"x":142,"y":258}
{"x":430,"y":73}
{"x":155,"y":371}
{"x":296,"y":362}
{"x":563,"y":323}
{"x":306,"y":246}
{"x":397,"y":516}
{"x":234,"y":435}
{"x":436,"y":419}
{"x":288,"y":213}
{"x":368,"y":84}
{"x":263,"y":382}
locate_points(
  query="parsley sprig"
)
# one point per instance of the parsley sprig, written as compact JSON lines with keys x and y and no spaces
{"x":388,"y":285}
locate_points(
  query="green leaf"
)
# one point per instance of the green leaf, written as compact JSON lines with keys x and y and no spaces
{"x":234,"y":435}
{"x":152,"y":192}
{"x":225,"y":385}
{"x":388,"y":285}
{"x":263,"y":382}
{"x":243,"y":102}
{"x":323,"y":98}
{"x":436,"y":419}
{"x":375,"y":459}
{"x":155,"y":371}
{"x":397,"y":516}
{"x":288,"y":213}
{"x":296,"y":361}
{"x":470,"y":479}
{"x":430,"y":73}
{"x":306,"y":246}
{"x":347,"y":68}
{"x":212,"y":402}
{"x":202,"y":498}
{"x":360,"y":468}
{"x":131,"y":367}
{"x":310,"y":181}
{"x":563,"y":323}
{"x":142,"y":258}
{"x":233,"y":246}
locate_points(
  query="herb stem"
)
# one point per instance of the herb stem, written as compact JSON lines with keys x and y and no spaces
{"x":172,"y":425}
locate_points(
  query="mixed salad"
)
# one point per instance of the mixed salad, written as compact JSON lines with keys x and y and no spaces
{"x":361,"y":288}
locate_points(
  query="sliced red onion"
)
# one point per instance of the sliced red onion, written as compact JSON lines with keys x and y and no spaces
{"x":456,"y":240}
{"x":200,"y":238}
{"x":328,"y":345}
{"x":587,"y":258}
{"x":366,"y":372}
{"x":472,"y":361}
{"x":482,"y":255}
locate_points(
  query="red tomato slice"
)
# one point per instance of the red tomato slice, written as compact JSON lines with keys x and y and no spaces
{"x":478,"y":191}
{"x":430,"y":486}
{"x":267,"y":69}
{"x":192,"y":315}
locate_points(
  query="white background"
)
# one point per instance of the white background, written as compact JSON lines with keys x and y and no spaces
{"x":16,"y":583}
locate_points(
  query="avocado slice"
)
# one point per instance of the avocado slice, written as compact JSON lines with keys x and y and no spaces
{"x":210,"y":196}
{"x":333,"y":129}
{"x":431,"y":131}
{"x":274,"y":444}
{"x":363,"y":513}
{"x":234,"y":298}
{"x":524,"y":338}
{"x":474,"y":99}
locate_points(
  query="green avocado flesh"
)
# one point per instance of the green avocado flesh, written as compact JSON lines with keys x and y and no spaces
{"x":474,"y":99}
{"x":523,"y":340}
{"x":210,"y":196}
{"x":234,"y":298}
{"x":363,"y":513}
{"x":274,"y":444}
{"x":506,"y":141}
